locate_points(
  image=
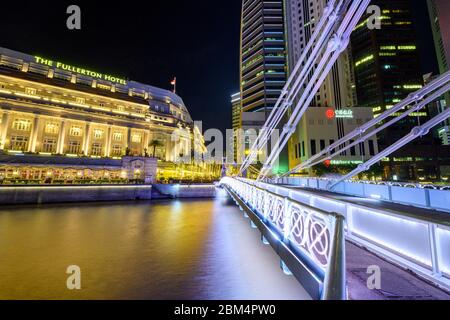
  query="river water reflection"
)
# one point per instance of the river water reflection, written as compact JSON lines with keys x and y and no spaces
{"x":193,"y":249}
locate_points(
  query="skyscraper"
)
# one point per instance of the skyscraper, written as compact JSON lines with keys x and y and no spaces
{"x":338,"y":88}
{"x":387,"y":70}
{"x":263,"y":54}
{"x":440,"y":23}
{"x":263,"y":63}
{"x":439,"y":11}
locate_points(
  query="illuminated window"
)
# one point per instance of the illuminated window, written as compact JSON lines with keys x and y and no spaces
{"x":136,"y":138}
{"x":407,"y":48}
{"x":364,"y":60}
{"x":412,"y":86}
{"x":117,"y":150}
{"x":30,"y":91}
{"x":98,"y":133}
{"x":76,"y":131}
{"x":74,"y":147}
{"x":104,"y":87}
{"x":22,"y":125}
{"x":388,"y":47}
{"x":80,"y":100}
{"x":96,"y":149}
{"x":19,"y":143}
{"x":120,"y":108}
{"x":51,"y":128}
{"x":49,"y":145}
{"x":117,"y":136}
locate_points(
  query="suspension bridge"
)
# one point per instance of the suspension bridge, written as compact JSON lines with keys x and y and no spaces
{"x":310,"y":221}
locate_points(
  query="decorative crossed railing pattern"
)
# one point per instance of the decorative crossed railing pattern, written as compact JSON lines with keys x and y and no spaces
{"x":316,"y":234}
{"x":310,"y":230}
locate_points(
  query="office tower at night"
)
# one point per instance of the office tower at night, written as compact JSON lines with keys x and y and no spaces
{"x":263,"y":63}
{"x":387,"y":70}
{"x":439,"y":11}
{"x":263,"y":55}
{"x":338,"y":90}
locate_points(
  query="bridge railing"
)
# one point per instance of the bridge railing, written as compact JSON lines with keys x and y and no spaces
{"x":316,"y":236}
{"x":425,"y":196}
{"x":416,"y":241}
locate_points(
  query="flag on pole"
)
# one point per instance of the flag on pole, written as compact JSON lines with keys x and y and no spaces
{"x":174,"y":84}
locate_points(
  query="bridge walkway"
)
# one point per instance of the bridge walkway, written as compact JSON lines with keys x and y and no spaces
{"x":396,"y":283}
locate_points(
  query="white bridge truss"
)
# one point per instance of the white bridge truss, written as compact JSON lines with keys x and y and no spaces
{"x":329,"y":39}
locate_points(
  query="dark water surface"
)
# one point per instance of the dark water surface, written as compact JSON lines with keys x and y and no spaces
{"x":193,"y":249}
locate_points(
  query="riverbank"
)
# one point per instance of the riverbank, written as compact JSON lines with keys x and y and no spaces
{"x":15,"y":195}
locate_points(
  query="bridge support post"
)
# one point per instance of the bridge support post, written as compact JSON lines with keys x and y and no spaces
{"x":434,"y":248}
{"x":335,"y":287}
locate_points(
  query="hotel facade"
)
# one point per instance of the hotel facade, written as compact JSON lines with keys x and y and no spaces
{"x":50,"y":110}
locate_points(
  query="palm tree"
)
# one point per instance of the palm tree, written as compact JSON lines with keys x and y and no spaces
{"x":155,"y":144}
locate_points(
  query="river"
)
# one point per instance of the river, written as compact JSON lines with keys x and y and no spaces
{"x":178,"y":249}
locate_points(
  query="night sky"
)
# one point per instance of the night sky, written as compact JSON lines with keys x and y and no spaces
{"x":152,"y":41}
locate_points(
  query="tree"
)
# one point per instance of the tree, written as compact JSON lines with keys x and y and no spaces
{"x":155,"y":144}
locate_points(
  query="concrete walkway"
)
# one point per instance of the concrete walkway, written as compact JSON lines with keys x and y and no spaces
{"x":396,"y":283}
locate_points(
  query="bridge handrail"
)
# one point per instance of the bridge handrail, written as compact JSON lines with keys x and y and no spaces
{"x":317,"y":234}
{"x":413,"y":240}
{"x":429,"y":196}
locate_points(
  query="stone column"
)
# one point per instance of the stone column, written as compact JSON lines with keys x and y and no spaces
{"x":169,"y":150}
{"x":129,"y":139}
{"x":146,"y":141}
{"x":61,"y":137}
{"x":4,"y":130}
{"x":108,"y":142}
{"x":34,"y":134}
{"x":86,"y":138}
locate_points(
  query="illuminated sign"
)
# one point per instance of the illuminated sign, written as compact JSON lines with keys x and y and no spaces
{"x":345,"y":162}
{"x":339,"y":114}
{"x":78,"y":70}
{"x":329,"y":163}
{"x":344,"y":113}
{"x":330,"y":114}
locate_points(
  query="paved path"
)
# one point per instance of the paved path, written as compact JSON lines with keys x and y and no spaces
{"x":396,"y":283}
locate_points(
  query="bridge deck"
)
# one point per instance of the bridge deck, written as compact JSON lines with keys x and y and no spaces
{"x":396,"y":283}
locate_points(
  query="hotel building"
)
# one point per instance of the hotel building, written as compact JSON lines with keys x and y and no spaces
{"x":51,"y":112}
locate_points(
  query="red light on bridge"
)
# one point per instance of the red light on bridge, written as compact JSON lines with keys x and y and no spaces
{"x":327,"y":163}
{"x":330,"y":114}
